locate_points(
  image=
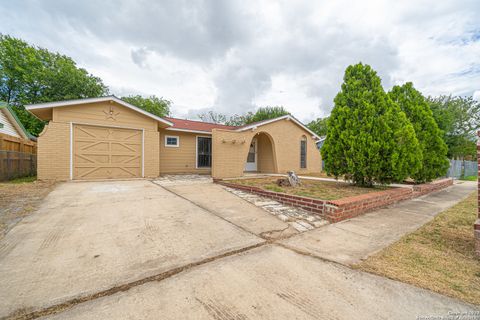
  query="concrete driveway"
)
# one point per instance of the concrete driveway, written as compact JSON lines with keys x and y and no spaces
{"x":135,"y":250}
{"x":90,"y":237}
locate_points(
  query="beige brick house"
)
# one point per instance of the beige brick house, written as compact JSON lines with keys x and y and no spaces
{"x":107,"y":138}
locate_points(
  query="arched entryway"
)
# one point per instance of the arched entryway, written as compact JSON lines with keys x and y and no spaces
{"x":261,"y":154}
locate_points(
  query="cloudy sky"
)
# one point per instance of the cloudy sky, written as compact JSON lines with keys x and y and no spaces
{"x":234,"y":56}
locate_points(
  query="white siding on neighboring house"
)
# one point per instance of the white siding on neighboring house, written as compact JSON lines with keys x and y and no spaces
{"x":8,"y":127}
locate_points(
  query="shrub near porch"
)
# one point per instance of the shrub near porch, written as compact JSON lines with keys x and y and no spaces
{"x":324,"y":190}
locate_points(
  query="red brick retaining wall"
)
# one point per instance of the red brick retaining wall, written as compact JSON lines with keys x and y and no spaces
{"x":425,"y":188}
{"x":476,"y":226}
{"x":308,"y":204}
{"x":341,"y":209}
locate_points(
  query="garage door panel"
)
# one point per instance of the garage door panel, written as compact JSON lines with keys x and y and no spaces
{"x":106,"y":153}
{"x":91,"y":159}
{"x":125,"y":147}
{"x":90,"y":132}
{"x":119,"y":159}
{"x":91,"y":146}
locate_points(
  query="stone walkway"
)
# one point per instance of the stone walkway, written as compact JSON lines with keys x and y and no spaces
{"x":299,"y":219}
{"x":182,"y":179}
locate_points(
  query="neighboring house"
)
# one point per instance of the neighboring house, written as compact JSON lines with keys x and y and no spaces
{"x":105,"y":138}
{"x":11,"y":125}
{"x":320,"y":142}
{"x":17,"y":147}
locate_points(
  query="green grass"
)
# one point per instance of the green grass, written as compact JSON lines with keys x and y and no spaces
{"x":469,"y":178}
{"x":274,"y":188}
{"x":440,"y":256}
{"x":23,"y":180}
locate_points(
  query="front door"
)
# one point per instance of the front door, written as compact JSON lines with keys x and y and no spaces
{"x":251,"y":164}
{"x":204,"y":152}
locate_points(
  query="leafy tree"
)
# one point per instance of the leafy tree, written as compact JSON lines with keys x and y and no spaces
{"x":432,"y":146}
{"x":265,"y":113}
{"x":319,"y":126}
{"x":31,"y":74}
{"x":459,"y":119}
{"x":369,"y":139}
{"x":152,"y":104}
{"x":240,"y":120}
{"x":213,"y":117}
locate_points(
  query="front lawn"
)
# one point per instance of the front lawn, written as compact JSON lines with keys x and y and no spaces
{"x":469,"y":178}
{"x":325,"y":190}
{"x":19,"y":198}
{"x":439,"y":256}
{"x":321,"y":174}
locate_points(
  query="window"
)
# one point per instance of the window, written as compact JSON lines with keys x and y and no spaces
{"x":172,"y":141}
{"x":251,"y":152}
{"x":303,"y":152}
{"x":204,"y":152}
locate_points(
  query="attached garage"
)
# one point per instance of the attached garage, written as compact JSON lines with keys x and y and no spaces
{"x":107,"y":152}
{"x":98,"y":138}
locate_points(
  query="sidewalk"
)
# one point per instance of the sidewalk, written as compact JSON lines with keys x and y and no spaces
{"x":353,"y":240}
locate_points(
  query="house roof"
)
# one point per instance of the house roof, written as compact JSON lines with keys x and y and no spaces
{"x":321,"y":142}
{"x":174,"y":124}
{"x":49,"y":105}
{"x":254,"y":125}
{"x":11,"y":115}
{"x":195,"y":126}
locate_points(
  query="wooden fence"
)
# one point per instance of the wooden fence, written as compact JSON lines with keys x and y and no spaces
{"x":18,"y":157}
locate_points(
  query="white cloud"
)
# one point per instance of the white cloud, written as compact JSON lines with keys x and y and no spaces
{"x":234,"y":56}
{"x":476,"y":95}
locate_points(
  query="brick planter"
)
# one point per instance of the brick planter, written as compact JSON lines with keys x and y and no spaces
{"x":308,"y":204}
{"x":341,"y":209}
{"x":345,"y":208}
{"x":421,"y":189}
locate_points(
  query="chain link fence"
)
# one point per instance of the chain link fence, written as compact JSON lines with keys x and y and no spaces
{"x":462,"y":168}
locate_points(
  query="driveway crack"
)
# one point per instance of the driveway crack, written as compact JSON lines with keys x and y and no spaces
{"x":61,"y":307}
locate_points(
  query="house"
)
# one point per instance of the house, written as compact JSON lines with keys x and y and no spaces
{"x":17,"y":147}
{"x":107,"y":138}
{"x":10,"y":124}
{"x":320,"y":142}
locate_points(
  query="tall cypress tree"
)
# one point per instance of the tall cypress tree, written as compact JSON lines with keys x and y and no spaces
{"x":433,"y":148}
{"x":369,"y":139}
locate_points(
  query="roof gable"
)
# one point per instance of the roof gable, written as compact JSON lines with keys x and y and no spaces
{"x":14,"y":121}
{"x":48,"y":105}
{"x":285,"y":117}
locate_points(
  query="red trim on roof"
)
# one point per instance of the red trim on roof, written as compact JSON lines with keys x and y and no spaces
{"x":196,"y":125}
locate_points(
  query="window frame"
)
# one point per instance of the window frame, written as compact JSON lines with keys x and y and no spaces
{"x":172,"y":145}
